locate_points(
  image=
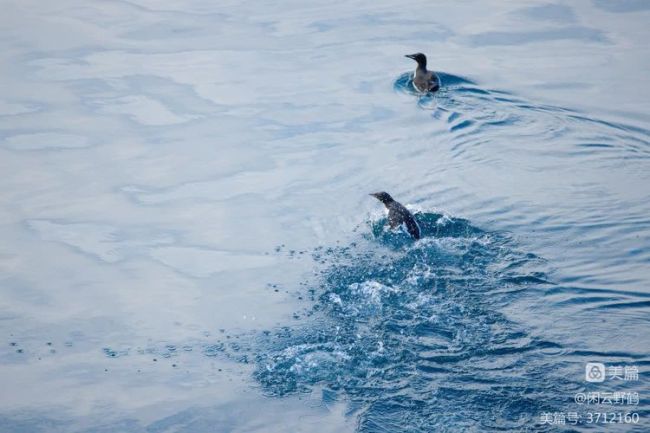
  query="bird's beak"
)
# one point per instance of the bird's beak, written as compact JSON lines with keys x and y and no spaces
{"x":410,"y":56}
{"x":374,"y":194}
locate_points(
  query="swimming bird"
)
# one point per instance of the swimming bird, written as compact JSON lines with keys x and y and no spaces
{"x":398,"y":214}
{"x":423,"y":79}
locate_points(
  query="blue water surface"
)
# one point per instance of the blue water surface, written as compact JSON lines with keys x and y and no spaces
{"x":189,"y":244}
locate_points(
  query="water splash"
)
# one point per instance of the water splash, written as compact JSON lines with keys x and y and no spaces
{"x":411,"y":332}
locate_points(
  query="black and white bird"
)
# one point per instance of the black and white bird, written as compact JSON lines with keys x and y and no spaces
{"x":423,"y":79}
{"x":398,"y":214}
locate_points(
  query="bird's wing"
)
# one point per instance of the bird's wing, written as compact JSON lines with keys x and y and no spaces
{"x":434,"y":82}
{"x":413,"y":228}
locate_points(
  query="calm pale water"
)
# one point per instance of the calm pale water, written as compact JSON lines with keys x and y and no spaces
{"x":188,"y":244}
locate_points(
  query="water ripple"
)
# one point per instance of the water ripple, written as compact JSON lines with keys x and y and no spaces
{"x":473,"y":113}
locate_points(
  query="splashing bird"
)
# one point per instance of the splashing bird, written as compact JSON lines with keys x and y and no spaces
{"x":398,"y":214}
{"x":423,"y":79}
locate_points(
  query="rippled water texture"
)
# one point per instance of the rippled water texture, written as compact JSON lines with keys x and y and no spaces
{"x":188,"y":244}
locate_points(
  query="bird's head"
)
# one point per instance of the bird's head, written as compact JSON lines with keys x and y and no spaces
{"x":420,"y":58}
{"x":383,"y":197}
